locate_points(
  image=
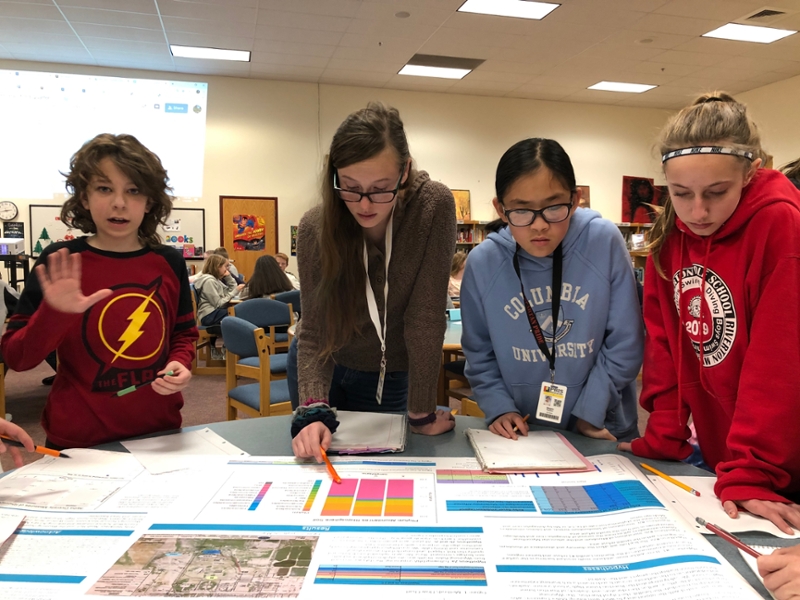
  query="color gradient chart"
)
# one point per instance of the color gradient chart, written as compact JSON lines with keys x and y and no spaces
{"x":260,"y":496}
{"x":370,"y":498}
{"x":598,"y":498}
{"x":312,"y":496}
{"x":403,"y":575}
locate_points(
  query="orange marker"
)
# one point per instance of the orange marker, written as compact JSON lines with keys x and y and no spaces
{"x":334,"y":475}
{"x":40,"y":449}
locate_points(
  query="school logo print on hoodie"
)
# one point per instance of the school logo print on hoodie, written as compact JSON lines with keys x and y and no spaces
{"x":711,"y":322}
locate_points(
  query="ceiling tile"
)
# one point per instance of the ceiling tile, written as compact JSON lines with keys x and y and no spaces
{"x":632,"y":37}
{"x":299,"y":60}
{"x":289,"y":34}
{"x":416,"y":30}
{"x":755,"y":64}
{"x":266,"y":71}
{"x":215,"y":12}
{"x":206,"y":27}
{"x":594,"y":14}
{"x":382,"y":53}
{"x":494,"y":88}
{"x":276,"y":47}
{"x":365,"y":65}
{"x":505,"y":66}
{"x":118,"y":33}
{"x":112,"y":17}
{"x":33,"y":26}
{"x":228,"y":42}
{"x":350,"y":77}
{"x":426,"y":84}
{"x":689,"y":58}
{"x":678,"y":25}
{"x":725,"y":10}
{"x":135,"y":47}
{"x":30,"y":10}
{"x":139,"y":6}
{"x":487,"y":76}
{"x":538,"y":94}
{"x":297,"y":20}
{"x":330,"y":8}
{"x":596,"y":97}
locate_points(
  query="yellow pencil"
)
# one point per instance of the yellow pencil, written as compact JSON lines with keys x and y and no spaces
{"x":683,"y":486}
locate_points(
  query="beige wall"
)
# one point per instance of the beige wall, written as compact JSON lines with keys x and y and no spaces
{"x":775,"y":109}
{"x":267,"y":138}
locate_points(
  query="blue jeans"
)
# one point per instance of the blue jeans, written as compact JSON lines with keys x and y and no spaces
{"x":355,"y":390}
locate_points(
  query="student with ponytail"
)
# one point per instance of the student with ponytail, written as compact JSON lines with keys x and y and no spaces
{"x":374,"y":264}
{"x":721,"y":313}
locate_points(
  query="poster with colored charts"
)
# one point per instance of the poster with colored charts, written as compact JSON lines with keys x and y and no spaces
{"x":370,"y":498}
{"x":590,"y":499}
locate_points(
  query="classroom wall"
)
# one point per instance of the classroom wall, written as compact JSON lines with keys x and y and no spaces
{"x":774,"y":109}
{"x":267,"y":138}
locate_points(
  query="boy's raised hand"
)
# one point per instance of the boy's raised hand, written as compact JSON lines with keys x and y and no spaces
{"x":61,"y":283}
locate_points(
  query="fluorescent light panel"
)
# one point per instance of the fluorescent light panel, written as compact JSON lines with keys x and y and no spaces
{"x":521,"y":9}
{"x":209,"y":53}
{"x":618,"y":86}
{"x":441,"y":72}
{"x":749,"y":33}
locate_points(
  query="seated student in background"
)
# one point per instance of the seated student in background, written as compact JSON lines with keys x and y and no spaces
{"x":267,"y":279}
{"x":721,"y":311}
{"x":792,"y":172}
{"x":17,"y":433}
{"x":781,"y":572}
{"x":374,"y":262}
{"x":135,"y":321}
{"x":215,"y":288}
{"x":551,"y":299}
{"x":283,"y":263}
{"x":232,"y":270}
{"x":456,"y":273}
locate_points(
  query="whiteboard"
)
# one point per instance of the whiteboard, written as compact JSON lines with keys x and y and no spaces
{"x":184,"y":227}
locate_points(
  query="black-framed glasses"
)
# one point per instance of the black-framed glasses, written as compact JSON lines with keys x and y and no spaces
{"x":523,"y":217}
{"x":383,"y":197}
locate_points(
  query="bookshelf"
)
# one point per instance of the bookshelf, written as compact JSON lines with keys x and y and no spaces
{"x":469,"y":234}
{"x":638,"y":256}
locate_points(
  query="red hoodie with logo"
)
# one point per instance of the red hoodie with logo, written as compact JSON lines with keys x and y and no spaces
{"x":730,"y":357}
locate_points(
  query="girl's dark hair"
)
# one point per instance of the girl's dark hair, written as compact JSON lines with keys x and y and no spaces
{"x":268,"y":278}
{"x":528,"y":156}
{"x":137,"y":162}
{"x":363,"y":135}
{"x":792,"y":171}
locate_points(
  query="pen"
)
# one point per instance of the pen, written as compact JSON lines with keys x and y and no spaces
{"x":39,"y":449}
{"x":683,"y":486}
{"x":334,"y":475}
{"x":133,"y":388}
{"x":728,"y":537}
{"x":524,"y":419}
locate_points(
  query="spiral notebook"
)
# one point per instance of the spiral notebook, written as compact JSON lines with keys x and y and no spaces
{"x":538,"y":452}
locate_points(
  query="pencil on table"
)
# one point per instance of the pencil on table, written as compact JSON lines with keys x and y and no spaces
{"x":681,"y":485}
{"x":728,"y":537}
{"x":40,"y":449}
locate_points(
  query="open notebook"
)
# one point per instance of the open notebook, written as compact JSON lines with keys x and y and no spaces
{"x":538,"y":452}
{"x":363,"y":432}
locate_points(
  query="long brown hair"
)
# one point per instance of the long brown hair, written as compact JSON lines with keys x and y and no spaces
{"x":213,"y":264}
{"x":362,"y":135}
{"x":792,"y":170}
{"x":137,"y":162}
{"x":268,"y":278}
{"x":712,"y":119}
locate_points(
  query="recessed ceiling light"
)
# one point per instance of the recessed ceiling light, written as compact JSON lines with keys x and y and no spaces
{"x":209,"y":53}
{"x":446,"y":67}
{"x":749,"y":33}
{"x":423,"y":71}
{"x":521,"y":9}
{"x":617,"y":86}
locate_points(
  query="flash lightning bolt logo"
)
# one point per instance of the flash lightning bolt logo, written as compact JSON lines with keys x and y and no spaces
{"x":134,"y":330}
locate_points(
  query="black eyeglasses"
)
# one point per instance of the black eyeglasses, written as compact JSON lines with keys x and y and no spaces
{"x":522,"y":217}
{"x":383,"y":197}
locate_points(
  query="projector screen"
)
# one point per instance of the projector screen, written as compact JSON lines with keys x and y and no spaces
{"x":46,"y":117}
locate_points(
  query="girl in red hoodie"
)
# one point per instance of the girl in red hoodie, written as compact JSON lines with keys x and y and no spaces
{"x":728,"y":356}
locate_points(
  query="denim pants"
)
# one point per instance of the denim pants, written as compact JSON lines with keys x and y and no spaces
{"x":355,"y":390}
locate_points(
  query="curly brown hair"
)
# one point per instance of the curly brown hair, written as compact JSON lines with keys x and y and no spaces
{"x":137,"y":162}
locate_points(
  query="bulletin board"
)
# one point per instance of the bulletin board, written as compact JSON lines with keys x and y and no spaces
{"x":185,"y":229}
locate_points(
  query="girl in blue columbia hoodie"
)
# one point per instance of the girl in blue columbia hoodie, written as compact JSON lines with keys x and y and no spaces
{"x":598,"y":334}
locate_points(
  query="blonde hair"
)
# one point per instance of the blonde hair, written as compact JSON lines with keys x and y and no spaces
{"x":213,"y":264}
{"x":281,"y":255}
{"x":715,"y":119}
{"x":459,"y":260}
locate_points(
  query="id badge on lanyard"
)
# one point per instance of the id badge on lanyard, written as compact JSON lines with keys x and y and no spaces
{"x":552,"y":396}
{"x":372,"y":304}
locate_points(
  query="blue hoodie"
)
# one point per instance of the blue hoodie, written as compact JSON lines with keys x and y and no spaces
{"x":599,"y":338}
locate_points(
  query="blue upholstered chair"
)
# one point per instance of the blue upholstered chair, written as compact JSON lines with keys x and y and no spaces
{"x":248,"y":356}
{"x":273,"y":316}
{"x":291,"y":298}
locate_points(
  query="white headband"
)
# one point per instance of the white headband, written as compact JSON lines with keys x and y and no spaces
{"x":707,"y":150}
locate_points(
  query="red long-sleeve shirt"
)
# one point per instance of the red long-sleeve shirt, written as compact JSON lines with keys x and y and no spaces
{"x":745,"y":396}
{"x":122,"y":340}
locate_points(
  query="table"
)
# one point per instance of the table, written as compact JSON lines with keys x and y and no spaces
{"x":270,"y":436}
